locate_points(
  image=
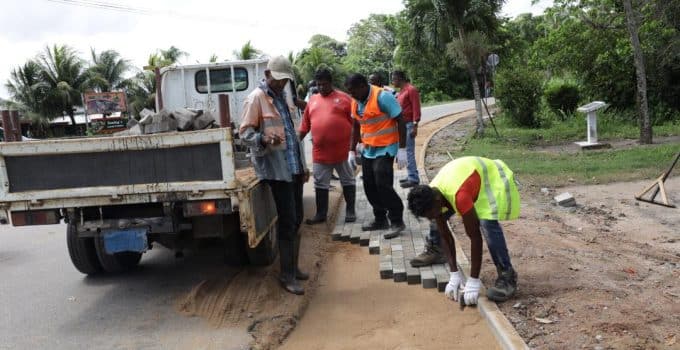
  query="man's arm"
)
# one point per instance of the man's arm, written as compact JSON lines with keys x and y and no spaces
{"x":401,"y":125}
{"x":249,"y":131}
{"x":471,"y":223}
{"x":448,"y":242}
{"x":305,"y":125}
{"x":356,"y":135}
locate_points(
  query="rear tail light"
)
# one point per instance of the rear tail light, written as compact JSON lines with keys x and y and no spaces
{"x":35,"y":217}
{"x":206,"y":208}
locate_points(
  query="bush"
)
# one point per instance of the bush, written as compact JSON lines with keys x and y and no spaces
{"x":435,"y":96}
{"x":518,"y":92}
{"x":562,"y":96}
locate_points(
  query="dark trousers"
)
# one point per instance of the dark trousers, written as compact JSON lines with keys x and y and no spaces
{"x":288,"y":200}
{"x":379,"y":189}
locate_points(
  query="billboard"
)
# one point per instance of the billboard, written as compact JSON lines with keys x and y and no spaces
{"x":104,"y":102}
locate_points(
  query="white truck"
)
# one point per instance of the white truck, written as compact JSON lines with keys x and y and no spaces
{"x":120,"y":194}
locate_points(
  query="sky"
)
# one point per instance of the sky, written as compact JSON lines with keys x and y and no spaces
{"x":199,"y":27}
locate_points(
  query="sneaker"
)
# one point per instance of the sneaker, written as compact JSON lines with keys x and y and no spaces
{"x":431,"y":255}
{"x":395,"y":230}
{"x":376,"y":226}
{"x":505,"y":286}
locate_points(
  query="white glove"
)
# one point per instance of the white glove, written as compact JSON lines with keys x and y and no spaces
{"x":401,"y":158}
{"x":352,"y":159}
{"x":471,"y":291}
{"x":360,"y":148}
{"x":453,"y":287}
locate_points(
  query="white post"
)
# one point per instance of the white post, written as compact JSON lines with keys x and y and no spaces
{"x":592,"y":127}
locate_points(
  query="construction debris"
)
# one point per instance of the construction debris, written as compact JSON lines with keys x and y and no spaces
{"x":181,"y":119}
{"x":565,"y":200}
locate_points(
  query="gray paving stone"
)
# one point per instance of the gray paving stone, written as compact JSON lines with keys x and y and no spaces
{"x":441,"y":275}
{"x":386,"y":269}
{"x":356,"y":233}
{"x":346,"y":232}
{"x":374,"y":244}
{"x":364,"y":239}
{"x":412,"y":274}
{"x":427,"y":278}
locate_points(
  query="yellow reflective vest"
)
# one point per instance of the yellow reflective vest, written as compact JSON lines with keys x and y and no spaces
{"x":498,"y":197}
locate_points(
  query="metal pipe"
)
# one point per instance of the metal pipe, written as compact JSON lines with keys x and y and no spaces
{"x":159,"y":94}
{"x":223,"y":100}
{"x":5,"y":124}
{"x":16,"y":125}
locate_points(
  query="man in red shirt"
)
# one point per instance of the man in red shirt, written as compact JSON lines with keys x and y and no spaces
{"x":409,"y":99}
{"x":328,"y":116}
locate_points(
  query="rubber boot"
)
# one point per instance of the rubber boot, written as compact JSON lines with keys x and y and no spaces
{"x":376,"y":225}
{"x":321,"y":207}
{"x":350,"y":194}
{"x":431,"y":255}
{"x":287,"y":260}
{"x":299,"y":275}
{"x":505,"y":286}
{"x":395,"y":230}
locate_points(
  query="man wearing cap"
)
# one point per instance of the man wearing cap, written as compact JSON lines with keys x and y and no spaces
{"x":483,"y":192}
{"x":379,"y":136}
{"x":268,"y":129}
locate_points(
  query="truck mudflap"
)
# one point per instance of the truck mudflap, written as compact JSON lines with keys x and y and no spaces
{"x":257,"y":198}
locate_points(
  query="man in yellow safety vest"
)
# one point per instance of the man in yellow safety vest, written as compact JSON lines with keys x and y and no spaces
{"x":483,"y":192}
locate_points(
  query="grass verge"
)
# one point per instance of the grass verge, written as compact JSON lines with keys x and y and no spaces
{"x":522,"y":150}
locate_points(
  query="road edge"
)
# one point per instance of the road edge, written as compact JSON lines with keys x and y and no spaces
{"x":505,"y":333}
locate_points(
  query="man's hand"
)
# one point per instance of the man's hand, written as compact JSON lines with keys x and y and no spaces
{"x":300,"y":103}
{"x":401,"y":158}
{"x":471,"y":291}
{"x":305,"y":176}
{"x":271,"y":140}
{"x":360,"y":148}
{"x":352,"y":159}
{"x":453,"y":287}
{"x":414,"y":130}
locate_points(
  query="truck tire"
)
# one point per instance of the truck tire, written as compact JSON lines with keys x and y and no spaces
{"x":265,"y":252}
{"x":82,"y":251}
{"x":118,"y":262}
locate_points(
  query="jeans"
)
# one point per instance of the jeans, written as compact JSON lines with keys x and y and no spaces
{"x":379,"y":189}
{"x":493,"y":235}
{"x":412,"y":166}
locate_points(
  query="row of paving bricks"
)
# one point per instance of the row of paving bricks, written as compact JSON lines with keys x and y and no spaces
{"x":395,"y":253}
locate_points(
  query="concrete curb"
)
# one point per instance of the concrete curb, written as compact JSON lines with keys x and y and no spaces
{"x":502,"y":329}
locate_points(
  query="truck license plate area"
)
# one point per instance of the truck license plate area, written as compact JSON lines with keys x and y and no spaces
{"x":130,"y":240}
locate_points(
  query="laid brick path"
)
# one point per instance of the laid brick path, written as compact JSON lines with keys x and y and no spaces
{"x":395,"y":253}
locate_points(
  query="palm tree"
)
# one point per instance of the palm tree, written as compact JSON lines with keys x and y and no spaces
{"x":107,"y":71}
{"x":213,"y":58}
{"x":247,"y":52}
{"x":141,"y":91}
{"x":26,"y":90}
{"x":62,"y":74}
{"x":455,"y":21}
{"x":173,"y":54}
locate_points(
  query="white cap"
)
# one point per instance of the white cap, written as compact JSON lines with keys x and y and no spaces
{"x":280,"y":68}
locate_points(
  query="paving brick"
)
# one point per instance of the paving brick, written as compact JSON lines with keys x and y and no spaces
{"x":346,"y":232}
{"x":386,"y":268}
{"x":374,"y":243}
{"x":356,"y":233}
{"x":427,"y":278}
{"x":364,"y":239}
{"x":441,"y":275}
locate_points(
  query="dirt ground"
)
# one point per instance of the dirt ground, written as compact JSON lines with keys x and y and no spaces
{"x":602,"y":275}
{"x":355,"y":309}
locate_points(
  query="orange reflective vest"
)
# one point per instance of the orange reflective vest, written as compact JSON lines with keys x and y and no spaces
{"x":377,"y":128}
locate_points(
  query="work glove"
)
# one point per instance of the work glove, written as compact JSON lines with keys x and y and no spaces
{"x":471,"y":291}
{"x":352,"y":159}
{"x":401,"y":158}
{"x":453,"y":287}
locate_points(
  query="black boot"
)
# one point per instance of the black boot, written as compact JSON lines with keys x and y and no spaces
{"x":350,"y":194}
{"x":299,"y":275}
{"x":376,"y":225}
{"x":321,"y":207}
{"x":505,"y":286}
{"x":395,"y":230}
{"x":287,"y":260}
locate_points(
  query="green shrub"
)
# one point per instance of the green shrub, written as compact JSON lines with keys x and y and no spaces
{"x":518,"y":92}
{"x":435,"y":96}
{"x":562,"y":96}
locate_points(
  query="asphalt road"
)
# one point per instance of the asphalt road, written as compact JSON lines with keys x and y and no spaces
{"x":45,"y":303}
